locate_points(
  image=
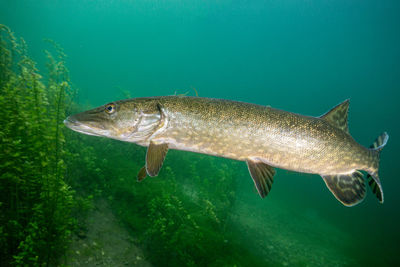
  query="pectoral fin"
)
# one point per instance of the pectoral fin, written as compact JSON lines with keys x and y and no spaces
{"x":349,"y":189}
{"x":155,"y":157}
{"x":262,"y":175}
{"x":141,"y":174}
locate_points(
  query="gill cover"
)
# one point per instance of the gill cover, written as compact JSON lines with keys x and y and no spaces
{"x":150,"y":123}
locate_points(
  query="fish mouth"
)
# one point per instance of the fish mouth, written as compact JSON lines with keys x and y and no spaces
{"x":79,"y":127}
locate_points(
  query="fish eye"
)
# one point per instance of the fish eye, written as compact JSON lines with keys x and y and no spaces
{"x":110,"y":108}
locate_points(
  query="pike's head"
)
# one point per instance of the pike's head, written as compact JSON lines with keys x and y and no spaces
{"x":132,"y":120}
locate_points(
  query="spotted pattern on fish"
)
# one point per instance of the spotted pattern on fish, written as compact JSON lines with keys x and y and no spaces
{"x":279,"y":138}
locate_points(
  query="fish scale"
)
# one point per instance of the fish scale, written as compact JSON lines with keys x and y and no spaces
{"x":279,"y":134}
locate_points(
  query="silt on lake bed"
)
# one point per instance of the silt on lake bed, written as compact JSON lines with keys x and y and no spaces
{"x":261,"y":136}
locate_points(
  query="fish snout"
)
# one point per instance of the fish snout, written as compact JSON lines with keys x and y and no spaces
{"x":70,"y":121}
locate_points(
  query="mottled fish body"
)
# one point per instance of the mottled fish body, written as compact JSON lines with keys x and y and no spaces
{"x":262,"y":136}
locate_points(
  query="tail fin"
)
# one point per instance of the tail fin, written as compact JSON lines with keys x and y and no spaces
{"x":373,"y":175}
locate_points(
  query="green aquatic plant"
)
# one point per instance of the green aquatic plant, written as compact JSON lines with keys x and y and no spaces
{"x":35,"y":200}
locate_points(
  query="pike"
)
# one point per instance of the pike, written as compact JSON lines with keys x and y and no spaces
{"x":261,"y":136}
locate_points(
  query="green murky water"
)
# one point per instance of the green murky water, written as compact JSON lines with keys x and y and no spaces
{"x":301,"y":56}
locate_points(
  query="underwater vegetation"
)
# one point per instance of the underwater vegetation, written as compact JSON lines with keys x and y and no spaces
{"x":35,"y":200}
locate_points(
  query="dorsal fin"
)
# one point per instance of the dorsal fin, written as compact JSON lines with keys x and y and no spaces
{"x":337,"y":116}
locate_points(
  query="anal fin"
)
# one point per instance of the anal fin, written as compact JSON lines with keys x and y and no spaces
{"x":262,"y":175}
{"x":349,"y":189}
